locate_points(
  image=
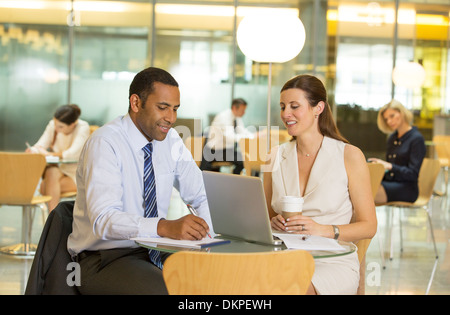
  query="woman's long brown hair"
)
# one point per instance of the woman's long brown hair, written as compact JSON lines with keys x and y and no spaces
{"x":315,"y":92}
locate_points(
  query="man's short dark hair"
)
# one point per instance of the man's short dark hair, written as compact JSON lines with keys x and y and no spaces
{"x":142,"y":84}
{"x":238,"y":102}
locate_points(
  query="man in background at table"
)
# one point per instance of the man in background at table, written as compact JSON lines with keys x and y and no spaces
{"x":125,"y":177}
{"x":224,"y":134}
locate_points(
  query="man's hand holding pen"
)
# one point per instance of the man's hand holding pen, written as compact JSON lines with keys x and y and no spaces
{"x":189,"y":227}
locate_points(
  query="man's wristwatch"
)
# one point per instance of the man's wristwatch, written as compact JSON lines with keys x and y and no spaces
{"x":336,"y":232}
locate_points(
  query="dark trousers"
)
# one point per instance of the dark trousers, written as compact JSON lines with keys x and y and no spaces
{"x":120,"y":271}
{"x":229,"y":155}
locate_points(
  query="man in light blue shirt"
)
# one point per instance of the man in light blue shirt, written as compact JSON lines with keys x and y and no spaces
{"x":109,"y":209}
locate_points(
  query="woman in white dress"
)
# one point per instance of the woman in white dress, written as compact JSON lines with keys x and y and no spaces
{"x":63,"y":137}
{"x":330,"y":174}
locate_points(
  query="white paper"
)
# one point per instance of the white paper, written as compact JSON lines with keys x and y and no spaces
{"x":51,"y":159}
{"x":154,"y":241}
{"x":309,"y":242}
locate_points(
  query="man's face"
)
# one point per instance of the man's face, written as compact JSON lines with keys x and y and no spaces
{"x":155,"y":118}
{"x":239,"y":111}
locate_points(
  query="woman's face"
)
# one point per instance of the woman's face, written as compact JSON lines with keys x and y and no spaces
{"x":393,"y":118}
{"x":64,"y":128}
{"x":296,"y":113}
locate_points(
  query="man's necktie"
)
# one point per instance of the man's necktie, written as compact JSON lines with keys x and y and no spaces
{"x":150,"y":208}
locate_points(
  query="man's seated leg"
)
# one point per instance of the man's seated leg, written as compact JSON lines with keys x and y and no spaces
{"x":120,"y":271}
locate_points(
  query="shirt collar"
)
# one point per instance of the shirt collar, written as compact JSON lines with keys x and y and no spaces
{"x":137,"y":139}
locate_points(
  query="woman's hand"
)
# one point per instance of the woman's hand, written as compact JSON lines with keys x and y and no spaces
{"x":278,"y":223}
{"x":300,"y":224}
{"x":386,"y":165}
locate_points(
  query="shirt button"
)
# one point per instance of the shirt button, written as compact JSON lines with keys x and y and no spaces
{"x":392,"y":174}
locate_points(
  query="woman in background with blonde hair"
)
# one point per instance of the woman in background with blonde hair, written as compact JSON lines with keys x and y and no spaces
{"x":404,"y":155}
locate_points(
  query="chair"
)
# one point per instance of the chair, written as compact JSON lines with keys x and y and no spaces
{"x":254,"y":151}
{"x":376,"y":171}
{"x":202,"y":273}
{"x":428,"y":174}
{"x":19,"y":177}
{"x":376,"y":175}
{"x":195,"y":145}
{"x":283,"y":135}
{"x":254,"y":154}
{"x":49,"y":271}
{"x":442,"y":146}
{"x":70,"y":195}
{"x":92,"y":128}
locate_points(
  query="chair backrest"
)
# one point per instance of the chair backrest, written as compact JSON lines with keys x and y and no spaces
{"x":442,"y":146}
{"x":282,"y":272}
{"x":195,"y":145}
{"x":19,"y":176}
{"x":254,"y":153}
{"x":428,"y":174}
{"x":92,"y":128}
{"x":376,"y":171}
{"x":283,"y":135}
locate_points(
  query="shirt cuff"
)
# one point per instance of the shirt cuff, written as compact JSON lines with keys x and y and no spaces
{"x":148,"y":227}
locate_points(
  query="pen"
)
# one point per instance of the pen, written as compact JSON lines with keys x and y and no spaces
{"x":28,"y":145}
{"x":194,"y":212}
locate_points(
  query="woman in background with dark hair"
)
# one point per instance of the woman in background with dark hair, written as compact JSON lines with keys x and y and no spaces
{"x":329,"y":173}
{"x":63,"y":137}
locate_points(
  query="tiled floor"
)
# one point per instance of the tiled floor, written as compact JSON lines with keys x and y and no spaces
{"x":408,"y":273}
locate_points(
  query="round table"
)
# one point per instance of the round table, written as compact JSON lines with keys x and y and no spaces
{"x":241,"y":246}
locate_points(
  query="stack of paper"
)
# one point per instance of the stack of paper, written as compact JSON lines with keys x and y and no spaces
{"x":204,"y":243}
{"x":51,"y":159}
{"x":312,"y":242}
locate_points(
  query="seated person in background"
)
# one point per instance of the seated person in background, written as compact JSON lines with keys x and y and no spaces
{"x":125,"y":178}
{"x":63,"y":137}
{"x":332,"y":177}
{"x":223,"y":137}
{"x":404,"y":155}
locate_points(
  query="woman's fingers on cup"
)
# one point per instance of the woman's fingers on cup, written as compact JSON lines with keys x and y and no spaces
{"x":278,"y":222}
{"x":296,"y":224}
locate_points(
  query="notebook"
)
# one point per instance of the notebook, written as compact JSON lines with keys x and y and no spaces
{"x":238,"y":207}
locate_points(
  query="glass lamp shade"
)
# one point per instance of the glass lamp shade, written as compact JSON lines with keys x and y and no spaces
{"x":409,"y":75}
{"x":276,"y":37}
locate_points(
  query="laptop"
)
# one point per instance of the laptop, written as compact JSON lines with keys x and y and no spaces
{"x":238,"y":207}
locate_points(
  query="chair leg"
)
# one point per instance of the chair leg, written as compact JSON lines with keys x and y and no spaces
{"x":380,"y":245}
{"x":25,"y":248}
{"x":401,"y":229}
{"x":446,"y":181}
{"x":44,"y":212}
{"x":430,"y":282}
{"x":391,"y":251}
{"x":432,"y":233}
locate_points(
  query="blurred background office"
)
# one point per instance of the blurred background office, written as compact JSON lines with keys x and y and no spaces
{"x":54,"y":52}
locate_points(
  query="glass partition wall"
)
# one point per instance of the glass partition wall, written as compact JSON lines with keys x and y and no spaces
{"x":54,"y":52}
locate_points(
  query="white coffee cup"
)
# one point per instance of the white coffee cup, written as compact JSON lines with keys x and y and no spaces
{"x":291,"y":205}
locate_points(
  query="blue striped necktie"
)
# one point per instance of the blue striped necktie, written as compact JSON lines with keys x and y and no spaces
{"x":150,"y":208}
